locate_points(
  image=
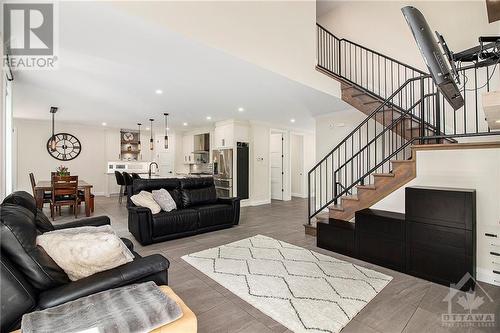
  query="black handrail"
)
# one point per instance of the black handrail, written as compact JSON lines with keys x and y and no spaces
{"x":372,"y":51}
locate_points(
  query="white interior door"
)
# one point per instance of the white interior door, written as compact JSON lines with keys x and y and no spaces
{"x":277,"y":166}
{"x":297,"y":164}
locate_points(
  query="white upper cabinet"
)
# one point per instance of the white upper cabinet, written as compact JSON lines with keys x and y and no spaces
{"x":226,"y":134}
{"x":187,"y":147}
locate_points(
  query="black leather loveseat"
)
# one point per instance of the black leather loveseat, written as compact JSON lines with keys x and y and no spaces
{"x":198,"y":210}
{"x":31,"y":280}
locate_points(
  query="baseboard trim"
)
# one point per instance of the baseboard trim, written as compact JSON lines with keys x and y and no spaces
{"x":99,"y":194}
{"x":299,"y":195}
{"x":260,"y":202}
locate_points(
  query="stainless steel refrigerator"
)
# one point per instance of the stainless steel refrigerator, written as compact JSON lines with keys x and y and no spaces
{"x":223,"y":172}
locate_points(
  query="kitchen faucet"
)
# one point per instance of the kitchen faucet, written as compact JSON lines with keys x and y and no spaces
{"x":149,"y":168}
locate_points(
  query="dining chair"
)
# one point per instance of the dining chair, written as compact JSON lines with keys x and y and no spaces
{"x":121,"y":182}
{"x":64,"y":193}
{"x":91,"y":203}
{"x":46,"y":194}
{"x":135,"y":176}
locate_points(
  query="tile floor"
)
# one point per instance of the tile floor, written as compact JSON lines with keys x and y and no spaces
{"x":407,"y":304}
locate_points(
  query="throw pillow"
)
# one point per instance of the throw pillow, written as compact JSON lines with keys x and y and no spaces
{"x":145,"y":199}
{"x":164,"y":200}
{"x":84,"y":251}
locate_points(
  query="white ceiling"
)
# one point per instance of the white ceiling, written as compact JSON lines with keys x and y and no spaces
{"x":110,"y":65}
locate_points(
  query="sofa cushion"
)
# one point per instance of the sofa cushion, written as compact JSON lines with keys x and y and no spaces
{"x":145,"y":199}
{"x":199,"y":196}
{"x":176,"y":221}
{"x":155,"y":184}
{"x":21,"y":198}
{"x":215,"y":214}
{"x":42,"y":222}
{"x":18,"y":241}
{"x":164,"y":199}
{"x":17,"y":296}
{"x":26,"y":200}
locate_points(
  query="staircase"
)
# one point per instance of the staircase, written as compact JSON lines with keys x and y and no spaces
{"x":403,"y":107}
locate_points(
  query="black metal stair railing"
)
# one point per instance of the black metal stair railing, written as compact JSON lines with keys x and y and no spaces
{"x":376,"y":137}
{"x":411,"y":110}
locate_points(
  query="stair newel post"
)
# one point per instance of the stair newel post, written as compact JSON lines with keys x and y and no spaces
{"x":422,"y":110}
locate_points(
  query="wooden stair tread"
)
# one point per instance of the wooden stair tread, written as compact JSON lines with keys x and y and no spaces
{"x":402,"y":161}
{"x":350,"y":197}
{"x":336,"y":207}
{"x":383,"y":175}
{"x":366,"y":187}
{"x":372,"y":102}
{"x":358,"y":94}
{"x":322,"y":217}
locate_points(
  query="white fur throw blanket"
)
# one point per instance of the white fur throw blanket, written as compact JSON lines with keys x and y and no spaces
{"x":130,"y":309}
{"x":84,"y":251}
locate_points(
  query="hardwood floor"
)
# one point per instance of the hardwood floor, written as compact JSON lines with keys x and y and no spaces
{"x":407,"y":304}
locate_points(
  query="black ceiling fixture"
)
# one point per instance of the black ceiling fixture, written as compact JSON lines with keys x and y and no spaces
{"x":151,"y":139}
{"x":166,"y":130}
{"x":53,"y":140}
{"x":139,"y":137}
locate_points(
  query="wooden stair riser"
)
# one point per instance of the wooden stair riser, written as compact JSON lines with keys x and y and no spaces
{"x":403,"y":172}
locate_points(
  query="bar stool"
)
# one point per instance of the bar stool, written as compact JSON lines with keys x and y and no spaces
{"x":120,"y":180}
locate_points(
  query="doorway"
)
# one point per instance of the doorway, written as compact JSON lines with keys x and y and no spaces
{"x":277,"y":165}
{"x":297,"y":164}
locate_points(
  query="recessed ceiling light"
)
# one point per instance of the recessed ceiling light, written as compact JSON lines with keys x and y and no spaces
{"x":103,"y":124}
{"x":292,"y":120}
{"x":240,"y":109}
{"x":159,"y":91}
{"x":184,"y":124}
{"x":497,"y":121}
{"x":209,"y":118}
{"x":147,"y":128}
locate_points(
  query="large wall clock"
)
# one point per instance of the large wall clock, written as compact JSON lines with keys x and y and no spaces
{"x":68,"y":147}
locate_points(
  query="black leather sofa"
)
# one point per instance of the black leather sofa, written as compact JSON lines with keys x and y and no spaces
{"x":31,"y":280}
{"x":198,"y":210}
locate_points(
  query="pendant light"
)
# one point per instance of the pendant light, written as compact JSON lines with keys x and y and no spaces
{"x":139,"y":137}
{"x":166,"y":130}
{"x":151,"y":139}
{"x":53,"y":141}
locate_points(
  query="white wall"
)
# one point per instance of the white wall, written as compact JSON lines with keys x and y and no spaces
{"x":334,"y":127}
{"x":32,"y":155}
{"x":277,"y":35}
{"x":99,"y":146}
{"x":260,"y":163}
{"x":477,"y":169}
{"x":380,"y":25}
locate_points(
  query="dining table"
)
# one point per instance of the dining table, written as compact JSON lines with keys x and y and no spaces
{"x":45,"y":185}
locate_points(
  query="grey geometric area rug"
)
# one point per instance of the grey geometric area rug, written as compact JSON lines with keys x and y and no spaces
{"x":301,"y":289}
